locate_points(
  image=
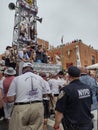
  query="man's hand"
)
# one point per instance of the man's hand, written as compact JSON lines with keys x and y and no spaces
{"x":58,"y":118}
{"x":56,"y":127}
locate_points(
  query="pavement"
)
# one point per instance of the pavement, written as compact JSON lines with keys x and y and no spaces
{"x":95,"y":119}
{"x":4,"y":124}
{"x":51,"y":124}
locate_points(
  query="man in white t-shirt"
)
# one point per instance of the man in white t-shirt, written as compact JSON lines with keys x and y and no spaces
{"x":46,"y":100}
{"x":55,"y":87}
{"x":27,"y":92}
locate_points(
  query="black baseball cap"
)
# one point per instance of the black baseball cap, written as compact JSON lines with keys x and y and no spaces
{"x":74,"y":71}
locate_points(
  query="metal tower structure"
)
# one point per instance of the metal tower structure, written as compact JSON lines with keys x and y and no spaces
{"x":25,"y":22}
{"x":25,"y":31}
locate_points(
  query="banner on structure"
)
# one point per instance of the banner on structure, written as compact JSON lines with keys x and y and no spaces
{"x":39,"y":67}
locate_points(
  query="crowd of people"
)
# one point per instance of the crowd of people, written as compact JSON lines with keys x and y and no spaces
{"x":48,"y":85}
{"x":28,"y":100}
{"x":27,"y":53}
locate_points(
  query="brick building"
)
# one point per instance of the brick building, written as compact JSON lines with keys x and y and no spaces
{"x":75,"y":53}
{"x":44,"y":43}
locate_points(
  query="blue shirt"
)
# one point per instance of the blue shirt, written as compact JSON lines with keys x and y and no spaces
{"x":86,"y":79}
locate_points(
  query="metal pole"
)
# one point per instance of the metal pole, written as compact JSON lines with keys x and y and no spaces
{"x":62,"y":51}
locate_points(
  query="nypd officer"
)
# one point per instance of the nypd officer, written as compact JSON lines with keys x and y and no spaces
{"x":73,"y":107}
{"x":27,"y":92}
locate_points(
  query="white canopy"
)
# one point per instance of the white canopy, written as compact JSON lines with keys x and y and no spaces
{"x":94,"y":66}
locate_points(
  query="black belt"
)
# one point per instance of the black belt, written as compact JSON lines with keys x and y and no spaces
{"x":56,"y":95}
{"x":23,"y":103}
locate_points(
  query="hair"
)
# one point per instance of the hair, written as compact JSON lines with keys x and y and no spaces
{"x":83,"y":70}
{"x":27,"y":69}
{"x":42,"y":74}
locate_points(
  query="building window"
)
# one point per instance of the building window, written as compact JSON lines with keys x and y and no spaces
{"x":69,"y":64}
{"x":93,"y":60}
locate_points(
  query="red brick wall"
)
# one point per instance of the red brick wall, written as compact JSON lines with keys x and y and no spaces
{"x":86,"y":54}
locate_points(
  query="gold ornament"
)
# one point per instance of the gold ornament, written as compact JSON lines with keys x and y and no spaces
{"x":30,"y":1}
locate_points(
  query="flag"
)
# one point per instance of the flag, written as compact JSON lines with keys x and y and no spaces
{"x":62,"y":39}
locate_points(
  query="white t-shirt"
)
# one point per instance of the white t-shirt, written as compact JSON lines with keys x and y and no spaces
{"x":54,"y":86}
{"x":47,"y":90}
{"x":1,"y":84}
{"x":27,"y":87}
{"x":61,"y":82}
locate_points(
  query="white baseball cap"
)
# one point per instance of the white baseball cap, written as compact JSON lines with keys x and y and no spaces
{"x":27,"y":64}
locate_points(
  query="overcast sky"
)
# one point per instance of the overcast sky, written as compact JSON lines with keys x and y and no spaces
{"x":74,"y":19}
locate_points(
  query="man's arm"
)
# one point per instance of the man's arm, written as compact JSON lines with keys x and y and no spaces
{"x":11,"y":95}
{"x":11,"y":99}
{"x":58,"y":118}
{"x":1,"y":102}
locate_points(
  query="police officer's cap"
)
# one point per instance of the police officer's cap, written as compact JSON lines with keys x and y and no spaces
{"x":74,"y":71}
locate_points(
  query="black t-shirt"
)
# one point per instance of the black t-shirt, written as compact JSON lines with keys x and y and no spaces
{"x":75,"y":102}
